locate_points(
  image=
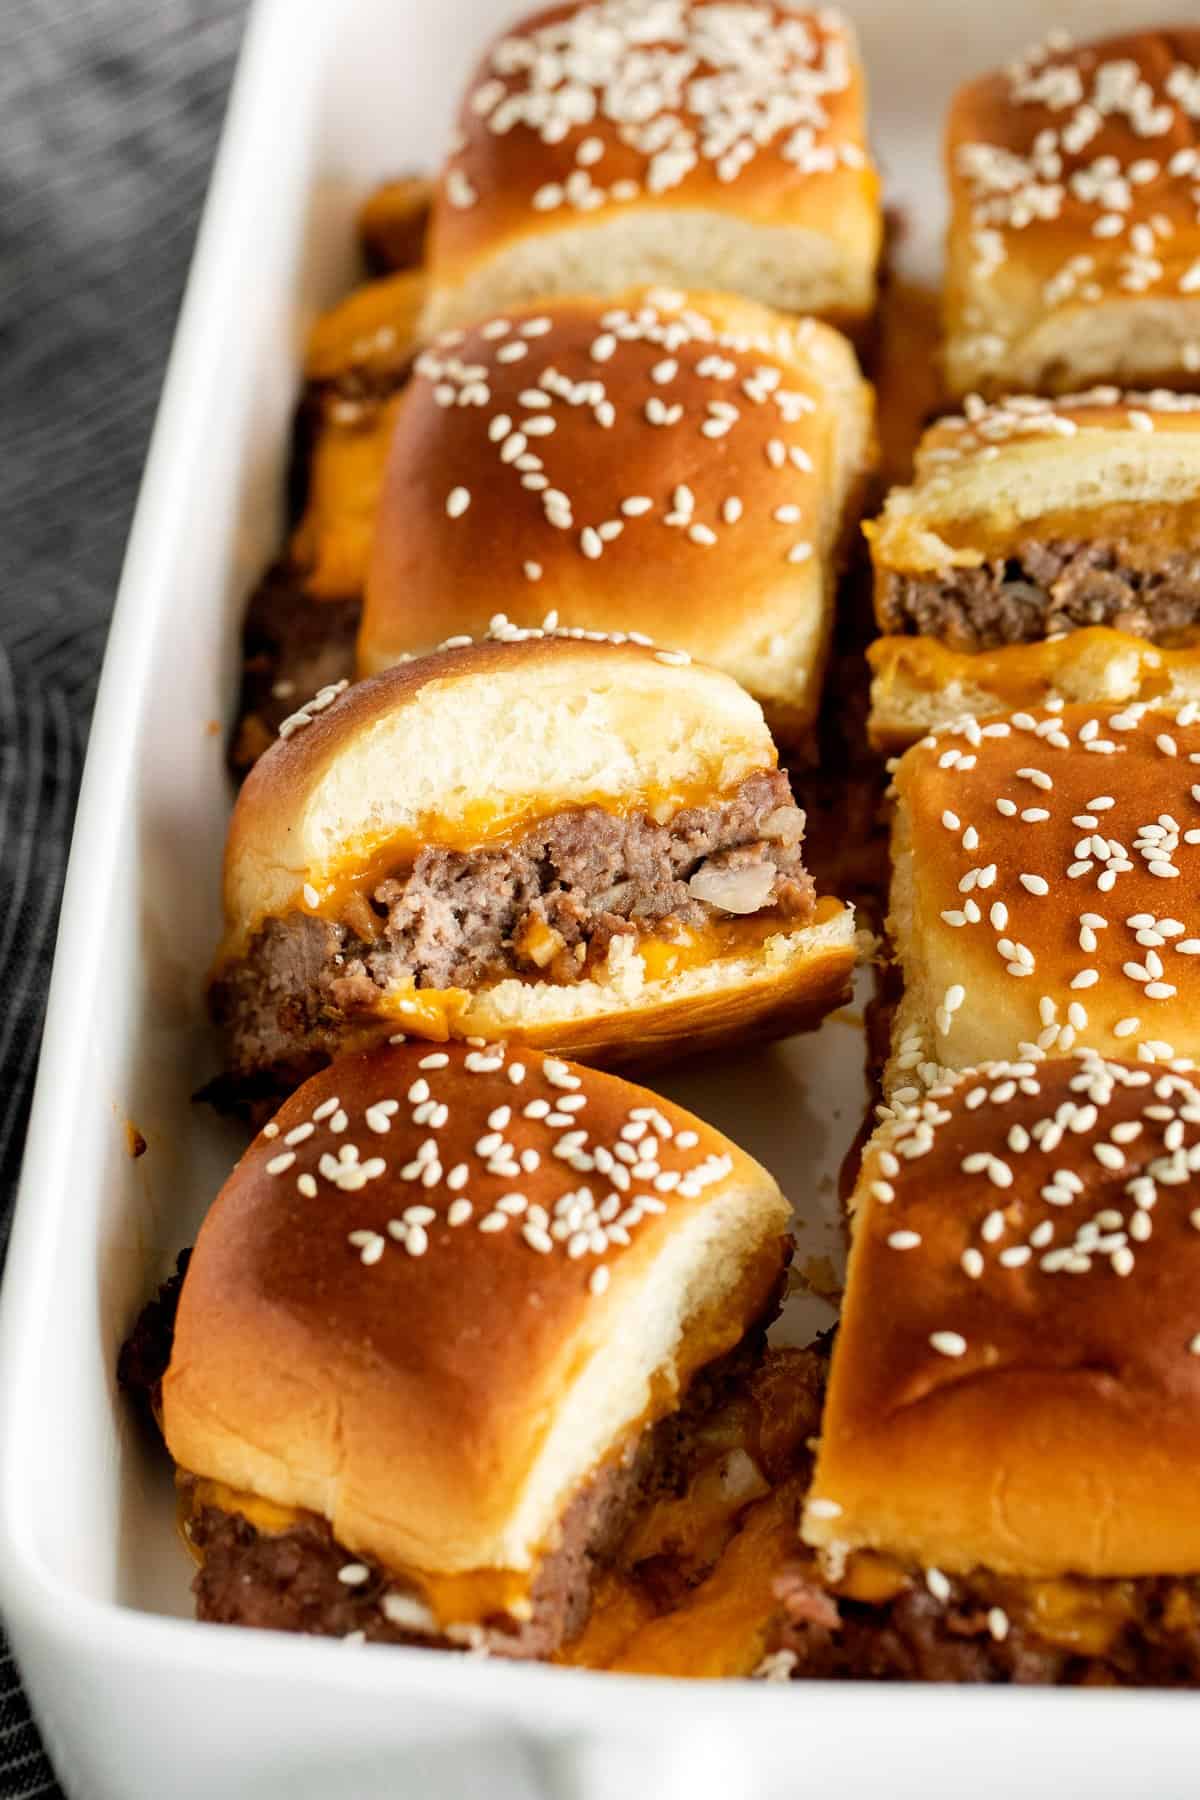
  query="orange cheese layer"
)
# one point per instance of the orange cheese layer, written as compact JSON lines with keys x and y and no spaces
{"x":373,"y":329}
{"x":1068,"y":1612}
{"x":453,"y":1599}
{"x":721,"y":1628}
{"x":1020,"y":673}
{"x":332,"y":542}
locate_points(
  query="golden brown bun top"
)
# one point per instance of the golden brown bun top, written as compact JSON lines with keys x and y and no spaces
{"x":1079,"y":164}
{"x":473,"y":742}
{"x":444,"y":1285}
{"x":1056,"y":872}
{"x":584,"y":110}
{"x":993,"y":472}
{"x":659,"y":463}
{"x":1016,"y":1382}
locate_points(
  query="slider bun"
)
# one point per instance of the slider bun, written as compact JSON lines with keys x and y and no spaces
{"x":1037,"y":299}
{"x":919,"y":685}
{"x":476,"y":742}
{"x":804,"y":238}
{"x":1064,"y":1437}
{"x":629,"y":1018}
{"x":734,"y":599}
{"x":1118,"y":990}
{"x":985,"y":479}
{"x":442,"y":1405}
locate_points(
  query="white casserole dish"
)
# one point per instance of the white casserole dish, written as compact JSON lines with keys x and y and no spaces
{"x":137,"y":1701}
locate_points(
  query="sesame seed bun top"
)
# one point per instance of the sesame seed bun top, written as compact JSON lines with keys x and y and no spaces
{"x":706,"y":143}
{"x":681,"y":465}
{"x":473,"y":743}
{"x":1016,"y":1381}
{"x":1046,"y":884}
{"x":445,"y":1286}
{"x":994,"y":475}
{"x":1072,"y":178}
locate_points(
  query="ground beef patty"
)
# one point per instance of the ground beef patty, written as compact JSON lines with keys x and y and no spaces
{"x":147,"y":1350}
{"x":541,"y":906}
{"x":290,"y":1581}
{"x":292,"y":645}
{"x":1043,"y":590}
{"x":971,"y":1636}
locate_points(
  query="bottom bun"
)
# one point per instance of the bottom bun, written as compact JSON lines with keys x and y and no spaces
{"x":918,"y":684}
{"x":786,"y":984}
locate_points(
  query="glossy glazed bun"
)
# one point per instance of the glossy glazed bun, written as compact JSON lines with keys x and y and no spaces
{"x":609,"y":143}
{"x":1015,"y":1383}
{"x":689,"y":467}
{"x":1071,"y":255}
{"x":414,"y":1311}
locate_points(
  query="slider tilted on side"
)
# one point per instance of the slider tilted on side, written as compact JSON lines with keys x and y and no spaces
{"x":1044,"y":548}
{"x":438,"y":1339}
{"x":570,"y":841}
{"x":1046,"y":890}
{"x":687,"y":466}
{"x":686,"y":141}
{"x":1073,"y":254}
{"x":1005,"y":1484}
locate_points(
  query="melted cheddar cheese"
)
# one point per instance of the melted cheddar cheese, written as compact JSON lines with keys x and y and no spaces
{"x":1018,"y":673}
{"x":454,"y":1599}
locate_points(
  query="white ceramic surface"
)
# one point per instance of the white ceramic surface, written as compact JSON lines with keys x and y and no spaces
{"x":138,"y":1701}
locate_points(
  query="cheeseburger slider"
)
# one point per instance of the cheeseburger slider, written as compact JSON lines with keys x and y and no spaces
{"x":699,"y":143}
{"x":1074,"y":234}
{"x":1046,"y":889}
{"x":571,"y":841}
{"x":1045,"y":547}
{"x":439,"y":1337}
{"x":689,"y":466}
{"x":1005,"y":1486}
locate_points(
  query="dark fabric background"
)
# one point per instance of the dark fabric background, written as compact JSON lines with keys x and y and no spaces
{"x":109,"y":113}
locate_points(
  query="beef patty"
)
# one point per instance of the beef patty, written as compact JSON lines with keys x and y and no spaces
{"x":981,"y":1629}
{"x":549,"y":904}
{"x":292,"y":646}
{"x":1043,"y":590}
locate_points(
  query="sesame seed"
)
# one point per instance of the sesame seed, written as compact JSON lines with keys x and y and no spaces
{"x":904,"y":1240}
{"x":820,"y":1508}
{"x":948,"y":1343}
{"x":279,"y":1164}
{"x":353,"y":1574}
{"x":457,"y":502}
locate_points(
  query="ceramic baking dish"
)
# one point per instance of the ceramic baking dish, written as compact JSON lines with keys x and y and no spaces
{"x":138,"y":1702}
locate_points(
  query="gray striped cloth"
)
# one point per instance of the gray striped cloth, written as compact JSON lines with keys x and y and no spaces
{"x":109,"y":111}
